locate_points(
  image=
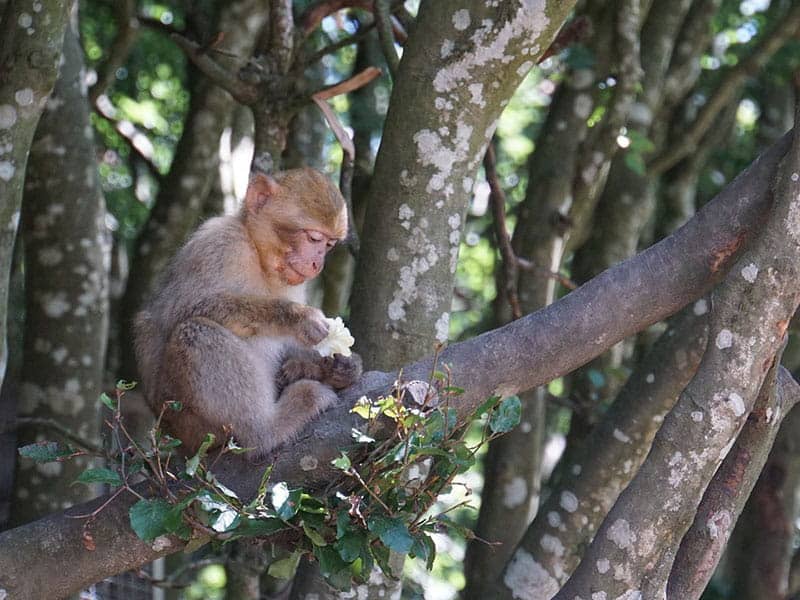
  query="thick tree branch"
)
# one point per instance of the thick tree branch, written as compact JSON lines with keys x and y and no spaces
{"x":525,"y":353}
{"x":723,"y":501}
{"x":750,"y":314}
{"x":611,"y":455}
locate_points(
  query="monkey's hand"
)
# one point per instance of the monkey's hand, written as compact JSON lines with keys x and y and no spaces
{"x":312,"y":326}
{"x":336,"y":371}
{"x":340,"y":371}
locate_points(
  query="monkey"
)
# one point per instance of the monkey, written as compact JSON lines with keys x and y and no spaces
{"x":227,"y":333}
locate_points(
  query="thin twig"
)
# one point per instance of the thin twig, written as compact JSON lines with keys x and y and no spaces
{"x":124,"y":15}
{"x":359,"y":35}
{"x":377,"y":498}
{"x":348,"y":85}
{"x":497,"y":200}
{"x":243,"y":92}
{"x":383,"y":20}
{"x":527,"y":265}
{"x":57,"y":427}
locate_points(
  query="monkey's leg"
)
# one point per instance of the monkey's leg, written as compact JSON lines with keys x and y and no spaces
{"x":299,"y":403}
{"x":336,"y":371}
{"x":223,"y":387}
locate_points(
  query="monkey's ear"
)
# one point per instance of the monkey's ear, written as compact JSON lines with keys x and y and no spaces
{"x":260,"y":190}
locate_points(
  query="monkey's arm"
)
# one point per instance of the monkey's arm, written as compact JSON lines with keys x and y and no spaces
{"x":336,"y":371}
{"x":247,"y":316}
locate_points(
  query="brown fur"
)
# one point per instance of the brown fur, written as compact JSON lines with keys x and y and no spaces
{"x":227,"y":332}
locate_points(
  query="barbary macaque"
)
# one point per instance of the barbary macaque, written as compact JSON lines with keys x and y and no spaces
{"x":227,"y":332}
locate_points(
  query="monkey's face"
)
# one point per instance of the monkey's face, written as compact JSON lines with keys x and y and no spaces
{"x":305,"y":256}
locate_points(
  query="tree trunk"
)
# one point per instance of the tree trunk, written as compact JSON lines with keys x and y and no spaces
{"x":30,"y":56}
{"x":67,"y":248}
{"x":456,"y":56}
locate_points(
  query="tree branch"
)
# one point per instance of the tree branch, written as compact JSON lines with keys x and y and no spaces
{"x":243,"y":92}
{"x":726,"y":91}
{"x":497,"y":200}
{"x":750,"y":314}
{"x":521,"y":355}
{"x":124,"y":14}
{"x":383,"y":20}
{"x":723,"y":501}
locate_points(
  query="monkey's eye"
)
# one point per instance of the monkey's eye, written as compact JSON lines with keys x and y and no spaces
{"x":314,"y":236}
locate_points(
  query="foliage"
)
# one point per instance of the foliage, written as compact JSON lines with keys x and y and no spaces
{"x":379,"y":505}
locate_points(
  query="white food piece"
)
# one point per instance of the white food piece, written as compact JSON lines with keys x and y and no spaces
{"x":338,"y":340}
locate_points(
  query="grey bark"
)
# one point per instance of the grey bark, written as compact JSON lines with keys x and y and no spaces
{"x":67,"y":248}
{"x":30,"y":65}
{"x":765,"y":576}
{"x":750,"y":314}
{"x":512,"y":464}
{"x":609,"y":457}
{"x":526,"y":353}
{"x":460,"y":65}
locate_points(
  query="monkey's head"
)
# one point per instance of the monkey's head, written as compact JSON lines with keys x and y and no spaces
{"x":294,"y":219}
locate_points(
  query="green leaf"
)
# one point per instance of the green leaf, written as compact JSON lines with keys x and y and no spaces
{"x":424,"y":549}
{"x":149,"y":518}
{"x":286,"y":567}
{"x":100,"y":475}
{"x":488,"y":405}
{"x":168,"y":443}
{"x":462,"y":457}
{"x":343,"y":524}
{"x":382,"y":555}
{"x":393,"y":532}
{"x":363,"y":407}
{"x":45,"y":451}
{"x":315,"y":536}
{"x":125,"y":386}
{"x":176,"y":406}
{"x":434,"y":427}
{"x":262,"y":489}
{"x":361,"y":437}
{"x":342,"y":463}
{"x":220,"y":488}
{"x":309,"y":504}
{"x":635,"y":162}
{"x":285,"y":501}
{"x":259,"y":527}
{"x":333,"y":568}
{"x":192,"y":464}
{"x":506,"y":416}
{"x":351,"y":545}
{"x":110,"y":402}
{"x":225,"y":521}
{"x":235,"y":448}
{"x":173,"y":522}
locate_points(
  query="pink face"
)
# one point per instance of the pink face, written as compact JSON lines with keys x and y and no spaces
{"x":307,"y":255}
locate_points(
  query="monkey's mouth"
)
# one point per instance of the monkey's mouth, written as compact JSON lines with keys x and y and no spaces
{"x":294,"y":276}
